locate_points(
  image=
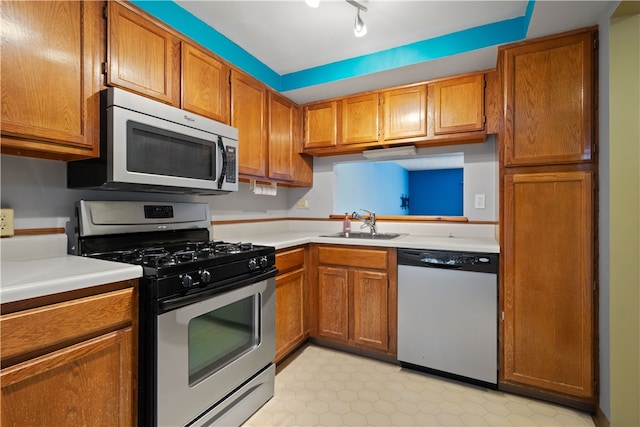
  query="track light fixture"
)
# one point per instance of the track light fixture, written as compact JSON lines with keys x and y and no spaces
{"x":359,"y":27}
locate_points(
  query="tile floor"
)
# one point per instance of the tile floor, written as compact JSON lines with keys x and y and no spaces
{"x":324,"y":387}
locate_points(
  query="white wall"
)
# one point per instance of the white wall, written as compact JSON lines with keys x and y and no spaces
{"x":480,"y":177}
{"x":36,"y":190}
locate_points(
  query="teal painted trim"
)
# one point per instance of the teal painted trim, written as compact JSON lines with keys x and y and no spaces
{"x":483,"y":36}
{"x":184,"y":22}
{"x":527,"y":17}
{"x":451,"y":44}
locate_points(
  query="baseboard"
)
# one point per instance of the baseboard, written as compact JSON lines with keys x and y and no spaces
{"x":599,"y":418}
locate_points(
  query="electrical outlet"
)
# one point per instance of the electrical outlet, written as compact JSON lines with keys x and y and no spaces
{"x":6,"y":222}
{"x":479,"y":201}
{"x":302,"y":203}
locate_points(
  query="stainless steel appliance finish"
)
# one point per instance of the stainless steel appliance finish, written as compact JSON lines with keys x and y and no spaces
{"x":448,"y":314}
{"x":150,"y":146}
{"x":206,"y":310}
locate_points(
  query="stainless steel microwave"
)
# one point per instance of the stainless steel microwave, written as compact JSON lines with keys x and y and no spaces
{"x":149,"y":146}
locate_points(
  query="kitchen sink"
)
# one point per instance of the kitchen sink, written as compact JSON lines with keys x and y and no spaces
{"x":361,"y":235}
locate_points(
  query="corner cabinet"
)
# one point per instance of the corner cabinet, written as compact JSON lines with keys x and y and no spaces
{"x":71,"y":362}
{"x":292,"y":325}
{"x":355,"y":296}
{"x":320,"y":125}
{"x":549,"y":100}
{"x":142,"y":57}
{"x":50,"y":106}
{"x":548,"y":281}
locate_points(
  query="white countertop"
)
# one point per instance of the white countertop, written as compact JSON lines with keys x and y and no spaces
{"x":34,"y":266}
{"x":286,"y":239}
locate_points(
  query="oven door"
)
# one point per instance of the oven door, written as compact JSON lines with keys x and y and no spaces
{"x":209,"y":348}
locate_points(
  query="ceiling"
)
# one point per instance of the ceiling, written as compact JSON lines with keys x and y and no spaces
{"x":310,"y":54}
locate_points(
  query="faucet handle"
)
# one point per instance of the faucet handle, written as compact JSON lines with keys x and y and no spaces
{"x":371,"y":213}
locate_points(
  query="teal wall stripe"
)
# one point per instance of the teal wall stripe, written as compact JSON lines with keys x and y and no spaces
{"x":414,"y":53}
{"x":493,"y":34}
{"x":184,"y":22}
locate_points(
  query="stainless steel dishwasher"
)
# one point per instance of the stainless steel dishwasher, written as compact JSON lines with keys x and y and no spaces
{"x":448,"y":314}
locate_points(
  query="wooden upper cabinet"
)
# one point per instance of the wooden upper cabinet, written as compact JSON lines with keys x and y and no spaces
{"x":51,"y":78}
{"x":205,"y":84}
{"x":359,"y":119}
{"x":249,"y":115}
{"x":548,"y":282}
{"x":548,"y":93}
{"x":405,"y":113}
{"x":281,"y":144}
{"x":142,"y":56}
{"x":320,"y":124}
{"x":302,"y":163}
{"x":458,"y":105}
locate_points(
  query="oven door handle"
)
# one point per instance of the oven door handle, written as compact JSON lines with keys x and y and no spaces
{"x":194,"y":305}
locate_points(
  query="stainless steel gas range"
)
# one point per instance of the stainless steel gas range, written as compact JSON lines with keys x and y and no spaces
{"x":206,"y":310}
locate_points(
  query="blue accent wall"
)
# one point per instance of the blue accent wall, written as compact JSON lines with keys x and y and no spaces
{"x":500,"y":32}
{"x":436,"y":192}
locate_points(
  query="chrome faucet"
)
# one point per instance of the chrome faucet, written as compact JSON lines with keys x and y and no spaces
{"x":371,"y":222}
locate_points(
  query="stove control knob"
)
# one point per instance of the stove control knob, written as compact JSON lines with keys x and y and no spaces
{"x":253,"y":264}
{"x":205,"y":276}
{"x":263,"y":262}
{"x":186,"y":280}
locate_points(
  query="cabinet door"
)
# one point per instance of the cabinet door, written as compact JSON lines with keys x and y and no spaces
{"x":281,"y":115}
{"x":320,"y":124}
{"x":548,"y":281}
{"x":289,"y":311}
{"x":548,"y":96}
{"x":333,"y":303}
{"x":248,"y":114}
{"x":205,"y":84}
{"x":51,"y":58}
{"x":405,"y":113}
{"x":360,"y":119}
{"x":143,"y":57}
{"x":458,"y":105}
{"x":89,"y":383}
{"x":370,"y":309}
{"x":302,"y":163}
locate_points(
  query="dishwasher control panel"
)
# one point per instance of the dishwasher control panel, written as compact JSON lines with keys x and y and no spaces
{"x":468,"y":261}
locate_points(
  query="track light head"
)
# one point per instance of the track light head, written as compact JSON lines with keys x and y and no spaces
{"x":359,"y":28}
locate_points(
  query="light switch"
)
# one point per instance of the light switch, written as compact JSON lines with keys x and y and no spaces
{"x":479,"y":201}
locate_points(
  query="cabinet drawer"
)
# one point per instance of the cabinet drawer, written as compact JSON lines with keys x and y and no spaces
{"x":37,"y":330}
{"x":352,"y":257}
{"x":289,"y":259}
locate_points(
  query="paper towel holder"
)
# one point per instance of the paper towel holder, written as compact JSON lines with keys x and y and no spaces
{"x":272,"y":188}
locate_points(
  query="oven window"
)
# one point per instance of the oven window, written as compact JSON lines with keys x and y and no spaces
{"x":220,"y":336}
{"x":160,"y":152}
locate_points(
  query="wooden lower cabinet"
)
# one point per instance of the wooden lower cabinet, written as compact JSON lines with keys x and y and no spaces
{"x":548,"y":288}
{"x":291,"y":323}
{"x":71,"y":363}
{"x":355,"y":296}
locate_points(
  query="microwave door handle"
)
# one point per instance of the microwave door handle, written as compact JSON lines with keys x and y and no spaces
{"x":224,"y":162}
